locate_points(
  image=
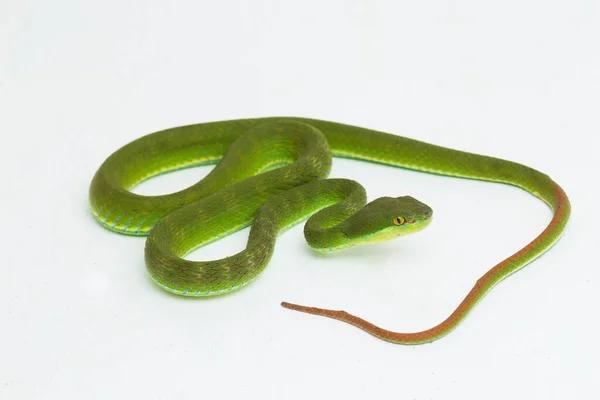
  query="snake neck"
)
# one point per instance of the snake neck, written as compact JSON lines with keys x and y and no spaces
{"x":328,"y":203}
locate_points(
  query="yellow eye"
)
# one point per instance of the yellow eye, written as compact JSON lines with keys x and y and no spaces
{"x":399,"y":221}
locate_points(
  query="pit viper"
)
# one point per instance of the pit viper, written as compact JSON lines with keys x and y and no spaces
{"x":271,"y":174}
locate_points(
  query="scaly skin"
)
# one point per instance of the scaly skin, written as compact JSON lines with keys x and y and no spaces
{"x":270,"y":173}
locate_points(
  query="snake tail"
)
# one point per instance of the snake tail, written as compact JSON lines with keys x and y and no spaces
{"x":484,"y":284}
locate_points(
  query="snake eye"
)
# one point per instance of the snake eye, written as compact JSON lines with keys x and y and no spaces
{"x":399,"y":221}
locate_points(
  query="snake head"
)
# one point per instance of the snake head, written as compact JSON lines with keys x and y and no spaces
{"x":386,"y":218}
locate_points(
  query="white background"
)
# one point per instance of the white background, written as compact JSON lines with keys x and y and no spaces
{"x":515,"y":79}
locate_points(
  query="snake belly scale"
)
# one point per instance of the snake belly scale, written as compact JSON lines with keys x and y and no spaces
{"x":271,"y":174}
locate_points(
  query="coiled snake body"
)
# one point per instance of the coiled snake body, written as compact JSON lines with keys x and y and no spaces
{"x":270,"y":173}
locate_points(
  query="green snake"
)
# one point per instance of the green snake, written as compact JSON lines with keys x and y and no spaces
{"x":270,"y":174}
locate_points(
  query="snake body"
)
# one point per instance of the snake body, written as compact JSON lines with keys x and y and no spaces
{"x":270,"y":174}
